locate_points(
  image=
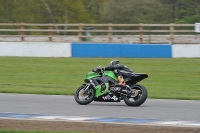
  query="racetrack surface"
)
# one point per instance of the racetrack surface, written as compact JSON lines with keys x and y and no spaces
{"x":184,"y":110}
{"x":55,"y":105}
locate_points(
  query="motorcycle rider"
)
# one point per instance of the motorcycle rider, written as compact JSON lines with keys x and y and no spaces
{"x":120,"y":70}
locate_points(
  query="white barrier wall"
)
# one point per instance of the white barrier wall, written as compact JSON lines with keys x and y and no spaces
{"x":57,"y":49}
{"x":35,"y":49}
{"x":186,"y":50}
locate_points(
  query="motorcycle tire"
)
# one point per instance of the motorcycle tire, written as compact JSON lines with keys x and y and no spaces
{"x":81,"y":101}
{"x":140,"y":99}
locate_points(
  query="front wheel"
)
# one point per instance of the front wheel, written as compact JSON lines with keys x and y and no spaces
{"x":84,"y":96}
{"x":138,"y":98}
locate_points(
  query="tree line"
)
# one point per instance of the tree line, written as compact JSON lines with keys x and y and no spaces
{"x":100,"y":11}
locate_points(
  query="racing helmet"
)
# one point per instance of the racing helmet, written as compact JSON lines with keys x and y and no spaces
{"x":114,"y":62}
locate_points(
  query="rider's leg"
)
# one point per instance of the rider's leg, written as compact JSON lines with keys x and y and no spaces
{"x":120,"y":78}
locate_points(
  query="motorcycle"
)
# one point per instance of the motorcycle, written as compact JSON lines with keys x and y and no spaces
{"x":133,"y":94}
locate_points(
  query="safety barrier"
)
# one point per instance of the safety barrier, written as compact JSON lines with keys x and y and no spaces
{"x":104,"y":50}
{"x":35,"y":49}
{"x":121,"y":50}
{"x":186,"y":51}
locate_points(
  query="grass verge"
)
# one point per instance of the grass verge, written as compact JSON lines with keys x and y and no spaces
{"x":177,"y":78}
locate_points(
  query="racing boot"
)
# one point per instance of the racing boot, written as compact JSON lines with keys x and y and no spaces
{"x":121,"y":81}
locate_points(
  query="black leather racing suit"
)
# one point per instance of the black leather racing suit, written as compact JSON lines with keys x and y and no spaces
{"x":120,"y":70}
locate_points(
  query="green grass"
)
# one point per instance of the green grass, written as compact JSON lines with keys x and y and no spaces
{"x":168,"y":78}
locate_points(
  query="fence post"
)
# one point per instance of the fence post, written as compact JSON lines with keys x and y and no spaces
{"x":22,"y":31}
{"x":80,"y":34}
{"x":50,"y":32}
{"x":141,"y":33}
{"x":110,"y":32}
{"x":172,"y":33}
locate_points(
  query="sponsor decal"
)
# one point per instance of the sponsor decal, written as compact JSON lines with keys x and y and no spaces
{"x":108,"y":97}
{"x":114,"y":98}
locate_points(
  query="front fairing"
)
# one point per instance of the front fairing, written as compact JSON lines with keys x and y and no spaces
{"x":91,"y":75}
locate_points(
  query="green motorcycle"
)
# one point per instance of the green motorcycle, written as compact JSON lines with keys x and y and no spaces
{"x":133,"y":93}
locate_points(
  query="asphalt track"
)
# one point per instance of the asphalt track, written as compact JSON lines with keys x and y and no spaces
{"x":182,"y":110}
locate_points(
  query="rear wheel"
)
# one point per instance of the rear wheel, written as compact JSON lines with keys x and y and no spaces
{"x":138,"y":97}
{"x":83,"y":97}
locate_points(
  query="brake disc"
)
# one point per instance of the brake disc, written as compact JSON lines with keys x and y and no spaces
{"x":134,"y":93}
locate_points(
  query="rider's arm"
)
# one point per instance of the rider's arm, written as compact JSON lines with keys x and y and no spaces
{"x":112,"y":67}
{"x":108,"y":68}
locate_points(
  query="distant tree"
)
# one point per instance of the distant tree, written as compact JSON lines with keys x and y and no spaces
{"x":99,"y":11}
{"x":135,"y":11}
{"x":187,"y":11}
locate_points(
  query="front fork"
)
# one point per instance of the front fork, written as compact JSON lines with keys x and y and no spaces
{"x":86,"y":88}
